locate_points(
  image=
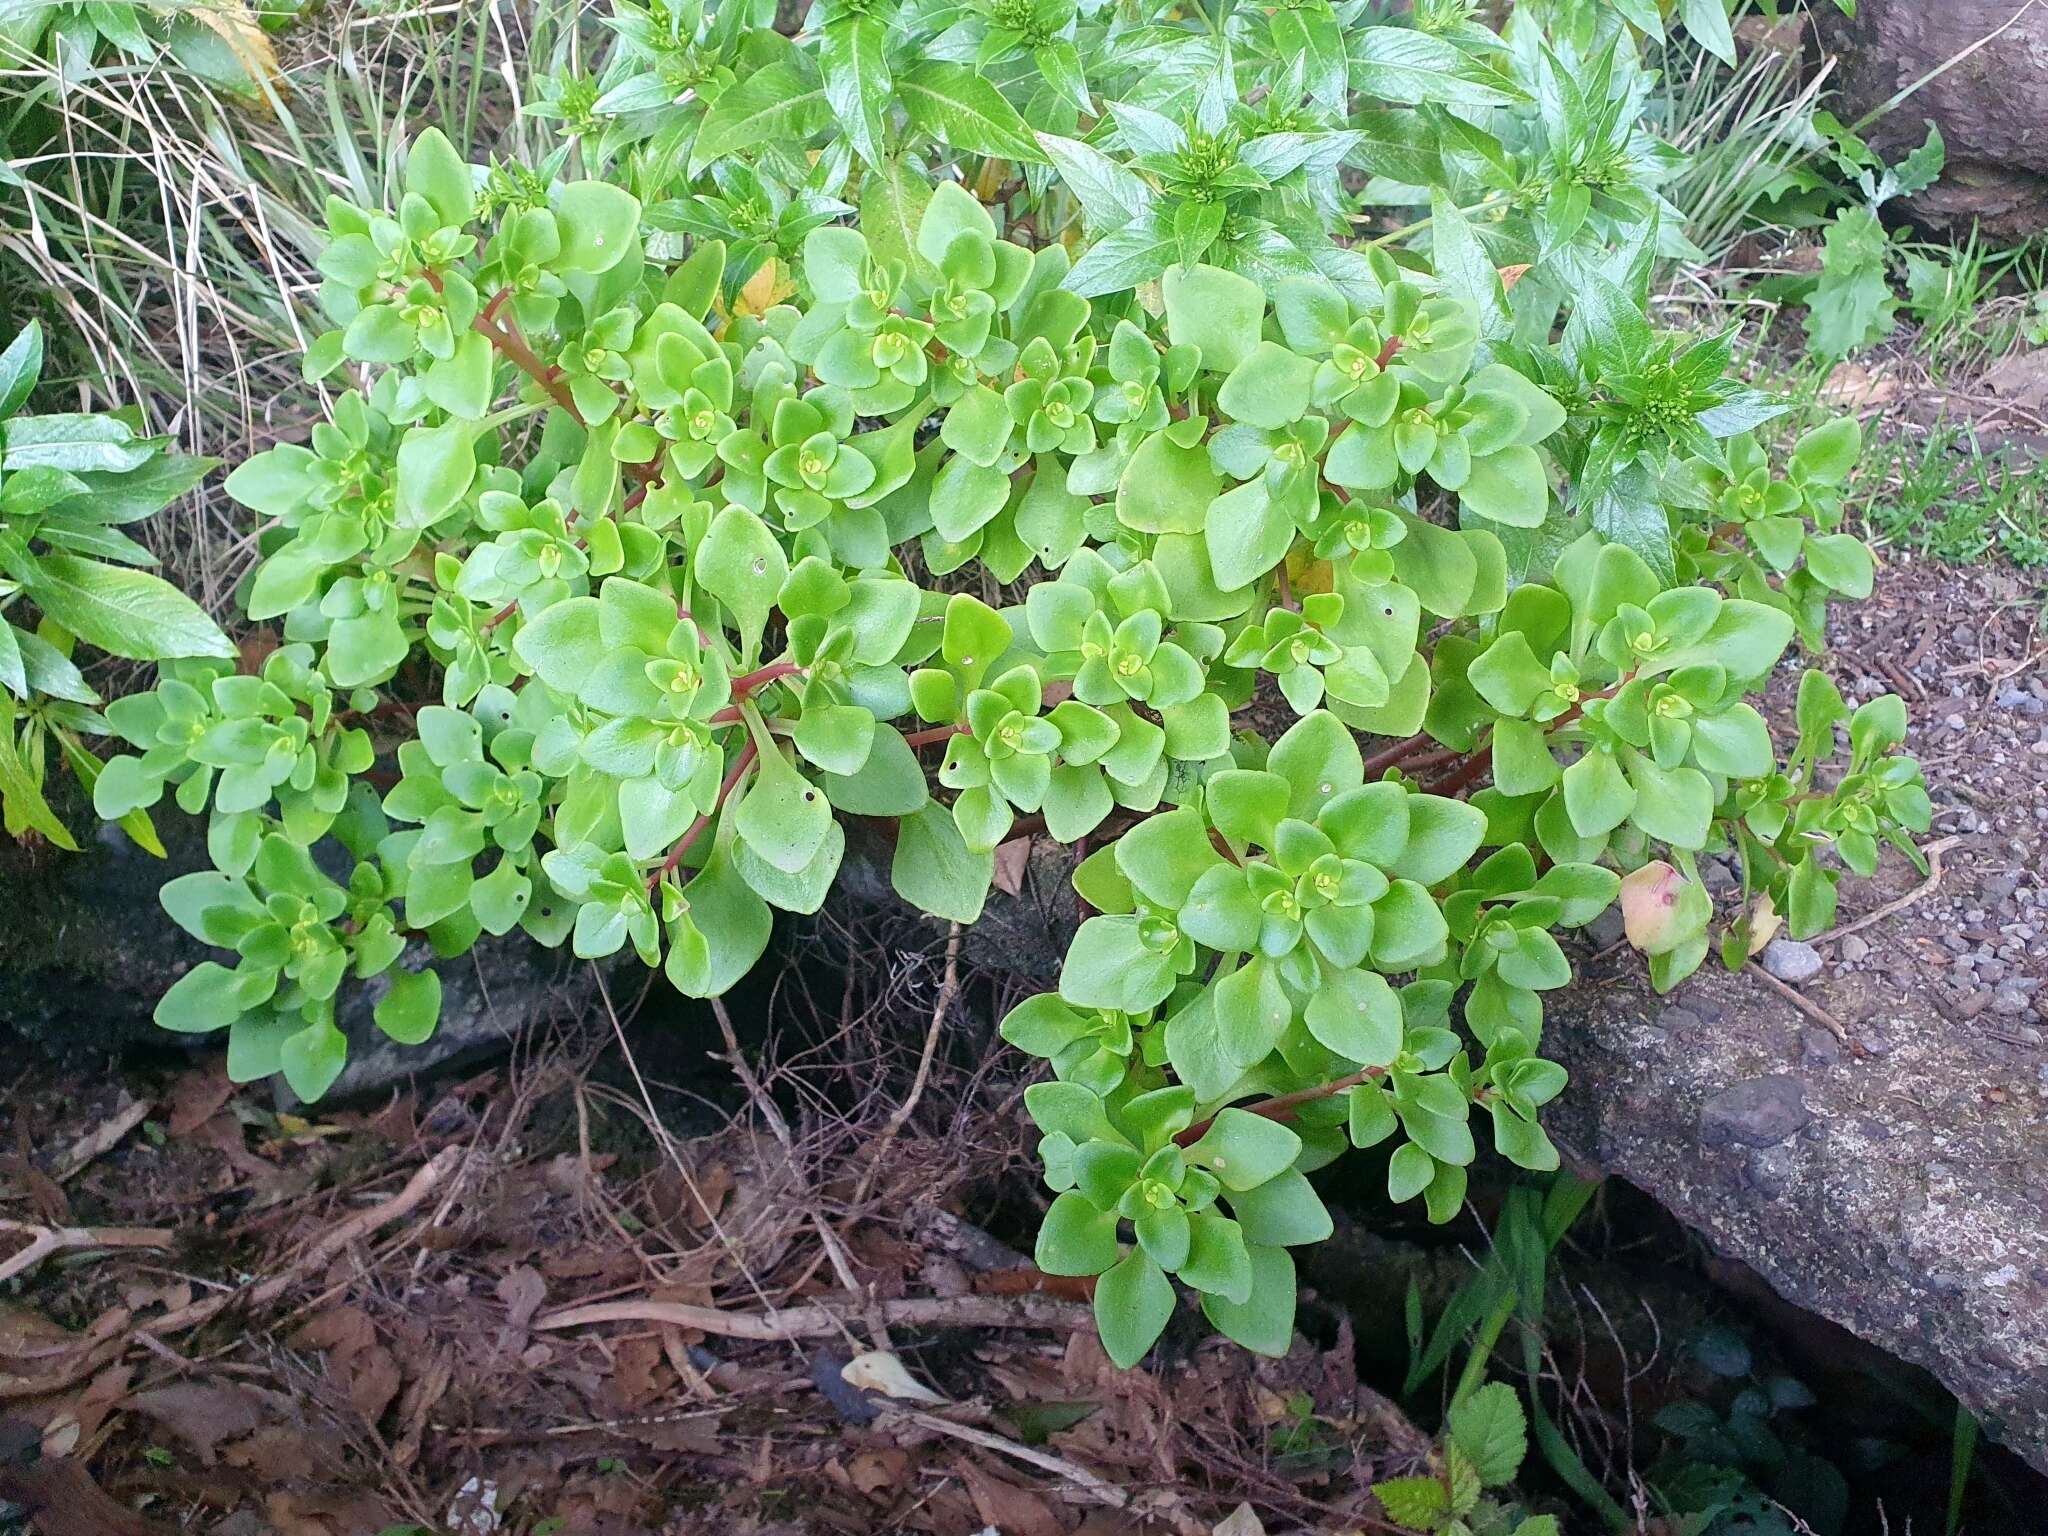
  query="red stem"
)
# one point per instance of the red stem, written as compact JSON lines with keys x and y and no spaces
{"x":752,"y":682}
{"x":747,"y":684}
{"x":675,"y":855}
{"x":506,"y":339}
{"x":1283,"y":1107}
{"x":1387,"y":757}
{"x":1472,"y":767}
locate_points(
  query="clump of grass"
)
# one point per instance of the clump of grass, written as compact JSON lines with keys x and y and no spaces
{"x":1944,"y":495}
{"x":166,"y":233}
{"x":1744,"y":130}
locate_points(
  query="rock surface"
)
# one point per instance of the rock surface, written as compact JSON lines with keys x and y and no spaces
{"x":86,"y":951}
{"x":1898,"y":1185}
{"x":1992,"y":107}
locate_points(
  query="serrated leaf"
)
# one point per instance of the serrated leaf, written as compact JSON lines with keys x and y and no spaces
{"x":127,"y":612}
{"x":775,"y":105}
{"x":965,"y":110}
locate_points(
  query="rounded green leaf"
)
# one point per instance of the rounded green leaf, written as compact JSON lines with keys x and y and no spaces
{"x":1245,"y":1150}
{"x":1263,"y":1320}
{"x":1133,"y":1301}
{"x":1076,"y":1238}
{"x":411,"y":1009}
{"x":1357,"y":1015}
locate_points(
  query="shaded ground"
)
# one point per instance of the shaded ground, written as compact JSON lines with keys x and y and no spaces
{"x":423,"y":1352}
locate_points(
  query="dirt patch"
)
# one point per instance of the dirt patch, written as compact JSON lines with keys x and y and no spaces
{"x":525,"y":1301}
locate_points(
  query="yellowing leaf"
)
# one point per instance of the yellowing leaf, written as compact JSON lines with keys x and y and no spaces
{"x":1649,"y":897}
{"x":237,"y":26}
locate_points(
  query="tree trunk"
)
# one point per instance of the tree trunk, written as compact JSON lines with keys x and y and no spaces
{"x":1991,"y":107}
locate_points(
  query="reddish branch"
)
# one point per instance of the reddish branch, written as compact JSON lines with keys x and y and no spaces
{"x":684,"y":843}
{"x":1283,"y":1107}
{"x":1399,"y":752}
{"x":935,"y":734}
{"x":748,"y":683}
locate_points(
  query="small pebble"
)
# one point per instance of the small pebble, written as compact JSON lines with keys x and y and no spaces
{"x":1854,"y":950}
{"x":1607,"y":928}
{"x":1819,"y":1048}
{"x":1791,"y":961}
{"x":2009,"y":1001}
{"x":1760,"y":1112}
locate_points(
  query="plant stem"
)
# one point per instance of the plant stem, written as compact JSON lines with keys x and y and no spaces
{"x":747,"y":684}
{"x":514,"y":346}
{"x":1387,"y":757}
{"x":675,"y":855}
{"x":1283,"y":1107}
{"x":761,"y":677}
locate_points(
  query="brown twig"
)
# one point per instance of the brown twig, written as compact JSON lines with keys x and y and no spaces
{"x":45,"y":1241}
{"x":428,"y":1178}
{"x":1068,"y":1472}
{"x":1925,"y":888}
{"x":1798,"y":1000}
{"x":102,"y":1139}
{"x":949,"y":988}
{"x":828,"y":1318}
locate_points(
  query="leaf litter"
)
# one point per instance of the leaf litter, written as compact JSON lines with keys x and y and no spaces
{"x":371,"y":1320}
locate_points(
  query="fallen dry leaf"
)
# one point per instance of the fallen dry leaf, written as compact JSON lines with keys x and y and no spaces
{"x":196,"y":1097}
{"x":2021,"y":378}
{"x":59,"y":1496}
{"x":373,"y":1381}
{"x":522,"y":1290}
{"x":876,"y":1370}
{"x":1013,"y":859}
{"x":1010,"y":1509}
{"x":366,"y":1371}
{"x":81,"y":1418}
{"x":202,"y":1414}
{"x":1857,"y":387}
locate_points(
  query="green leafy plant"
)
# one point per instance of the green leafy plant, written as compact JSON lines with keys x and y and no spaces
{"x":624,"y":569}
{"x":1485,"y":1438}
{"x":69,"y":484}
{"x":1853,"y":303}
{"x":1747,"y":1467}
